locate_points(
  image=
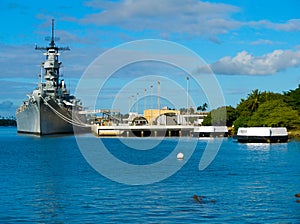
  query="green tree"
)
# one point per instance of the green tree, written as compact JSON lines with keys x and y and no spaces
{"x":267,"y":96}
{"x":254,"y":100}
{"x":220,"y":116}
{"x":260,"y":109}
{"x":248,"y":106}
{"x":203,"y":107}
{"x":231,"y":115}
{"x":241,"y":121}
{"x":292,"y":98}
{"x":207,"y":120}
{"x":275,"y":113}
{"x":8,"y":121}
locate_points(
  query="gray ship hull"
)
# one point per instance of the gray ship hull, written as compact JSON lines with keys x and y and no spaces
{"x":50,"y":109}
{"x":38,"y":118}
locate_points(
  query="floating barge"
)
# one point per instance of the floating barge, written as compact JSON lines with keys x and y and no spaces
{"x":262,"y":134}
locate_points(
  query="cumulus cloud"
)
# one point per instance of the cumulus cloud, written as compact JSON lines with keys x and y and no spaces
{"x":190,"y":17}
{"x":245,"y":63}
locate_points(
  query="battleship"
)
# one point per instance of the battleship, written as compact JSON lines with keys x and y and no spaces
{"x":50,"y":108}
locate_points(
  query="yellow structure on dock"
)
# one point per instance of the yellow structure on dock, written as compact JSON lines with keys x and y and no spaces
{"x":152,"y":114}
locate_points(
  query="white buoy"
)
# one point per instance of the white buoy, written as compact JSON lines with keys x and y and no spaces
{"x":180,"y":156}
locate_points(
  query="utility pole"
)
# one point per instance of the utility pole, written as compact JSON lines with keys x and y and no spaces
{"x":137,"y":103}
{"x":187,"y":95}
{"x":151,"y":105}
{"x":158,"y":95}
{"x":145,"y":100}
{"x":129,"y":104}
{"x":132,"y":102}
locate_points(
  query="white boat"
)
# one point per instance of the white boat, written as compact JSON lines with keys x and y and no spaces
{"x":262,"y":134}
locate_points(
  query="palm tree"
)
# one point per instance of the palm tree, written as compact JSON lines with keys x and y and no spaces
{"x":203,"y":107}
{"x":254,"y":100}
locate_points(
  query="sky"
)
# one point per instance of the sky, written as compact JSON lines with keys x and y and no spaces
{"x":247,"y":44}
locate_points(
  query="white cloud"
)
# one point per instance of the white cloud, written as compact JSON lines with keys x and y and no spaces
{"x":263,"y":41}
{"x":290,"y":25}
{"x":245,"y":63}
{"x":188,"y":17}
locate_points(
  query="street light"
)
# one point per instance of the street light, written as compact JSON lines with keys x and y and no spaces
{"x":129,"y":104}
{"x":150,"y":105}
{"x":137,"y":103}
{"x":158,"y":95}
{"x":187,"y":94}
{"x":132,"y":102}
{"x":151,"y":96}
{"x":145,"y":101}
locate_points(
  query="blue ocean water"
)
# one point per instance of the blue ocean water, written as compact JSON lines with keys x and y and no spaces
{"x":47,"y":180}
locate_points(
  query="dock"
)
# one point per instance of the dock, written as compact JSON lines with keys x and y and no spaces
{"x":163,"y":122}
{"x":158,"y":131}
{"x":143,"y":130}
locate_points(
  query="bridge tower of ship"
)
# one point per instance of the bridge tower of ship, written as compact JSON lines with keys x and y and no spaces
{"x":52,"y":65}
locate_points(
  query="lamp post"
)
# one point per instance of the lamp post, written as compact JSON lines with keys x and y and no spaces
{"x":132,"y":102}
{"x":151,"y":96}
{"x":187,"y":95}
{"x":129,"y":104}
{"x":158,"y":95}
{"x":145,"y":101}
{"x":137,"y":103}
{"x":150,"y":105}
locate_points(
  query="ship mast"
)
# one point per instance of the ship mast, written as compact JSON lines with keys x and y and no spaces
{"x":52,"y":65}
{"x":52,"y":42}
{"x":52,"y":35}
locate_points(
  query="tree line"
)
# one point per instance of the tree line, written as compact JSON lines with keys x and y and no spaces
{"x":8,"y":121}
{"x":260,"y":109}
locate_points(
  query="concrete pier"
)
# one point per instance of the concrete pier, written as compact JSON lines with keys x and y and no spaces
{"x":144,"y":130}
{"x":210,"y":131}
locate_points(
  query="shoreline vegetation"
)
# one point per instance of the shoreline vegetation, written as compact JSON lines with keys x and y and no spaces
{"x":294,"y":134}
{"x":8,"y":121}
{"x":259,"y":109}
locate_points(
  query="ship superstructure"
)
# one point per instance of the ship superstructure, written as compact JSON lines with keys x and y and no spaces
{"x":49,"y":109}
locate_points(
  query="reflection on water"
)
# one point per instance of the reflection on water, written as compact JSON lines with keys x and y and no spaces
{"x":266,"y":146}
{"x":258,"y":146}
{"x":47,"y":201}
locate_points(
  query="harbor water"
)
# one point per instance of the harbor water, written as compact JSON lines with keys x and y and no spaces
{"x":48,"y":180}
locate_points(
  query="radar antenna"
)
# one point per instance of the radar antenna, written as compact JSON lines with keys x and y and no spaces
{"x":52,"y":42}
{"x":52,"y":35}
